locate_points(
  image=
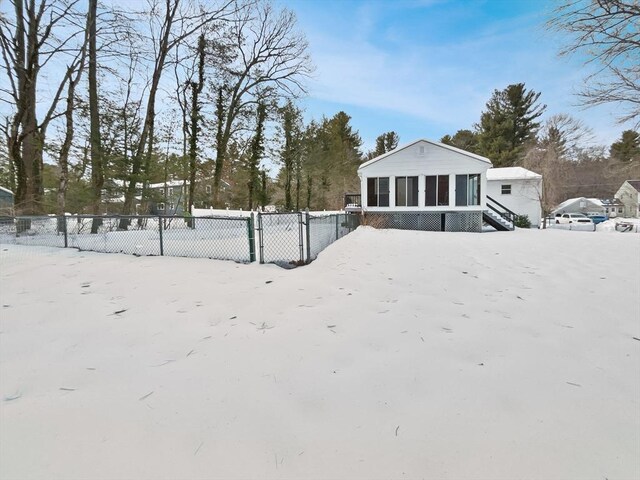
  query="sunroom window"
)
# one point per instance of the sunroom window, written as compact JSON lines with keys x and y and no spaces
{"x":406,"y":191}
{"x":378,"y":192}
{"x":436,"y":190}
{"x":467,"y":190}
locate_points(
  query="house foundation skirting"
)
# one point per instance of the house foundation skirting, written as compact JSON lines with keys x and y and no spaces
{"x":426,"y":221}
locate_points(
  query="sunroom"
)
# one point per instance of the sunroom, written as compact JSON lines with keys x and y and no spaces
{"x":424,"y":185}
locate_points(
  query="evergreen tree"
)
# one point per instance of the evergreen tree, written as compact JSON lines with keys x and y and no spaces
{"x":384,"y":143}
{"x":290,"y":153}
{"x":463,"y":139}
{"x":331,"y":159}
{"x":508,"y":124}
{"x":255,"y":156}
{"x":627,"y":149}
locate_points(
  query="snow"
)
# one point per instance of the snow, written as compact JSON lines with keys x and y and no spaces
{"x":614,"y":224}
{"x":512,"y":173}
{"x":395,"y":354}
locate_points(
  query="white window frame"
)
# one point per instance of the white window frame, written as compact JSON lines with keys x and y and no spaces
{"x":505,"y":189}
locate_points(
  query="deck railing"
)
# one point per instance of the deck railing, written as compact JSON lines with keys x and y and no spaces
{"x":352,"y":200}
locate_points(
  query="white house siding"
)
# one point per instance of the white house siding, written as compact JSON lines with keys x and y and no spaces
{"x":524,"y":198}
{"x":435,"y":160}
{"x":629,"y":196}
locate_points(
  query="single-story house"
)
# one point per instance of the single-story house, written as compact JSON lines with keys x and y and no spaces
{"x":612,"y":207}
{"x":6,"y":201}
{"x":427,"y":185}
{"x":580,"y":205}
{"x":629,"y":196}
{"x":518,"y":189}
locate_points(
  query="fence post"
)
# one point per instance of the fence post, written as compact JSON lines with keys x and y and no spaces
{"x":161,"y":239}
{"x":252,"y":238}
{"x":337,"y":220}
{"x":261,"y":238}
{"x":66,"y":240}
{"x":308,"y":236}
{"x":300,"y":238}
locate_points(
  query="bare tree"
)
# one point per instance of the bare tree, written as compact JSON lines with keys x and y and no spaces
{"x":608,"y":32}
{"x":63,"y":159}
{"x":29,"y":39}
{"x":271,"y":57}
{"x":559,"y":147}
{"x":171,"y":24}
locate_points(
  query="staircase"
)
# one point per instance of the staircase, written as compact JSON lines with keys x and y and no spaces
{"x":498,"y":216}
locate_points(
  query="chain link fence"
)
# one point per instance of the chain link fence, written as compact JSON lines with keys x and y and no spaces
{"x":285,"y":239}
{"x":221,"y":238}
{"x":292,"y":239}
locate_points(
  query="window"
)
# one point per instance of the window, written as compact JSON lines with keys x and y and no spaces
{"x":378,"y":192}
{"x":619,"y":210}
{"x":467,"y":190}
{"x":506,"y":189}
{"x":208,"y":188}
{"x":172,"y":206}
{"x":170,"y":191}
{"x":161,"y":206}
{"x":436,"y":190}
{"x":406,"y":191}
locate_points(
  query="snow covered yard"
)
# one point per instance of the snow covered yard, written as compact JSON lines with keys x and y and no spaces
{"x":396,"y":354}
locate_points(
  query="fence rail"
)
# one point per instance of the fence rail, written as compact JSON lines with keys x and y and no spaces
{"x":286,"y":239}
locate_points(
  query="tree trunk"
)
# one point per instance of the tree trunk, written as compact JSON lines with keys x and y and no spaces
{"x":97,"y":175}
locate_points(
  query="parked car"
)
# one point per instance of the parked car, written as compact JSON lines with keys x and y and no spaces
{"x":573,"y":218}
{"x":597,"y":217}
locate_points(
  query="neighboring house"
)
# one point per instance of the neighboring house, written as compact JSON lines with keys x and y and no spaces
{"x":629,"y":196}
{"x":580,"y":205}
{"x":168,"y":197}
{"x":426,"y":185}
{"x":612,"y":206}
{"x":6,"y":202}
{"x":518,"y":189}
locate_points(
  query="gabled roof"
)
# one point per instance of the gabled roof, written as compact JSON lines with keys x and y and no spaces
{"x":437,"y":144}
{"x":569,"y":201}
{"x":635,"y":184}
{"x":511,"y":173}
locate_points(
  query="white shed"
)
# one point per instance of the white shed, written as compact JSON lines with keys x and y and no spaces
{"x":426,"y":185}
{"x":518,"y":189}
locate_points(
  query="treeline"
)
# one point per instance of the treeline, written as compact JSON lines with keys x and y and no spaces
{"x":103,"y":101}
{"x":561,"y":149}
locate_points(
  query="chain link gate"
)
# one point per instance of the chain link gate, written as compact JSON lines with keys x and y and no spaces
{"x":281,"y":238}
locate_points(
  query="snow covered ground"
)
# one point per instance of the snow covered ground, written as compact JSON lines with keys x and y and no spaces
{"x":396,"y":354}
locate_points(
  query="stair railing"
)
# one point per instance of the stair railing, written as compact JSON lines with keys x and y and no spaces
{"x":507,"y":214}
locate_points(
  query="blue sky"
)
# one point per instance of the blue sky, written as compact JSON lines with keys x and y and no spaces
{"x":425,"y":68}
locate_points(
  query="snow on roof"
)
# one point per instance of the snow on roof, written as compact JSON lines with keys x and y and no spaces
{"x":6,"y":190}
{"x":608,"y":202}
{"x":170,"y":183}
{"x":438,"y":144}
{"x":511,"y":173}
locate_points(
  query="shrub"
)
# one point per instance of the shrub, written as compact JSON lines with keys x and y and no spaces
{"x":522,"y":221}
